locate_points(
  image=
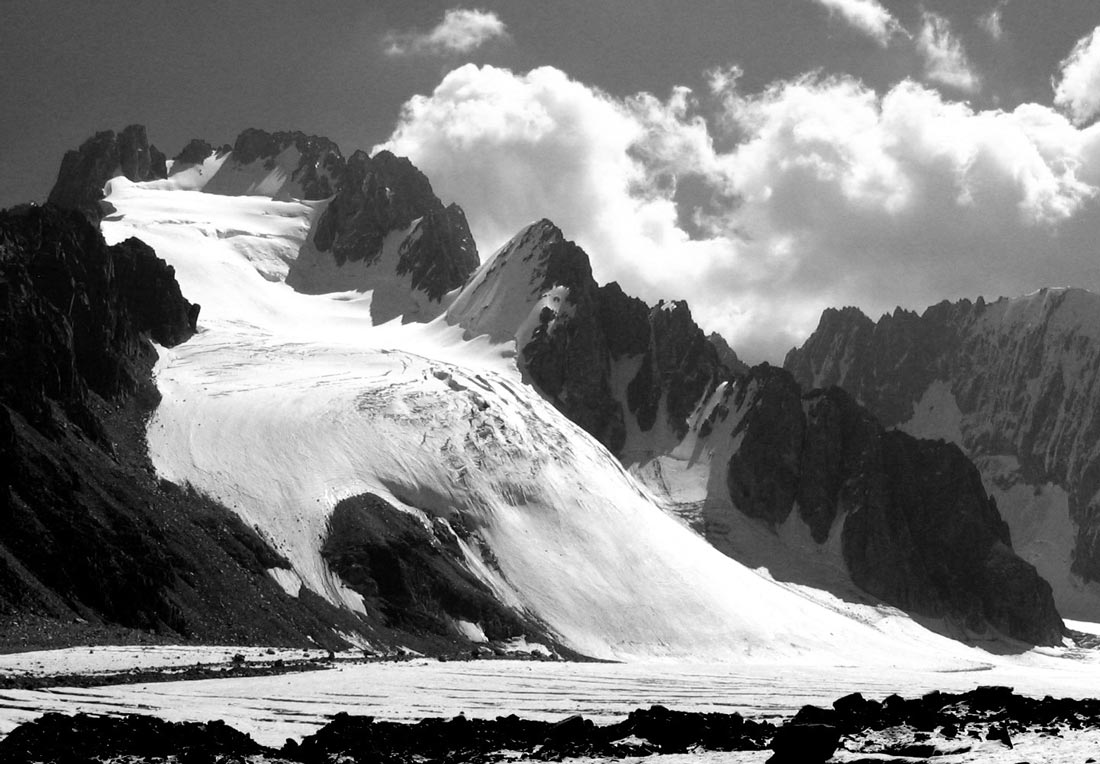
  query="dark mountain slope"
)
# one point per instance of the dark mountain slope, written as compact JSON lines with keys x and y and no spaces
{"x":1018,"y":380}
{"x":88,"y":532}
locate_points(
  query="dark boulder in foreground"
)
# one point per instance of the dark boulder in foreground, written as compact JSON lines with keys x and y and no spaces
{"x":61,"y":738}
{"x":804,"y":744}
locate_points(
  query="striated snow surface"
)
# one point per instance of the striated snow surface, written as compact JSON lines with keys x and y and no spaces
{"x":273,"y":708}
{"x":286,"y":403}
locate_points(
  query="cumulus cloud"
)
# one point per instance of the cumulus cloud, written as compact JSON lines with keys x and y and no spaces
{"x":827,"y":194}
{"x":945,"y":59}
{"x":460,"y":31}
{"x":866,"y":16}
{"x":1078,"y":90}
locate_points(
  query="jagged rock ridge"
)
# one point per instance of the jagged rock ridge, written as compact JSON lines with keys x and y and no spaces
{"x":917,"y":529}
{"x":1023,"y":376}
{"x":378,"y":196}
{"x":573,"y":336}
{"x":370,"y":198}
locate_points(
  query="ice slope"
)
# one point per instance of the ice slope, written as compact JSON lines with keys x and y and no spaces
{"x":285,"y":403}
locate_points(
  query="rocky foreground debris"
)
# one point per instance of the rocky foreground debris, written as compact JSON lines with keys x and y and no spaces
{"x":936,"y":724}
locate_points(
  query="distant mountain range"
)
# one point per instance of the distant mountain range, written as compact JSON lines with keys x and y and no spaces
{"x":367,"y":435}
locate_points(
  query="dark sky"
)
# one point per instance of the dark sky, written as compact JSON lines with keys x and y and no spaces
{"x":922,"y":159}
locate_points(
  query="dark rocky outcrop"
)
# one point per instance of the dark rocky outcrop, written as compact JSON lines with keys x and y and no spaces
{"x":378,"y":194}
{"x":414,"y":575}
{"x":644,"y":732}
{"x":320,"y":167}
{"x":77,"y":315}
{"x":58,"y":737}
{"x":803,"y":743}
{"x":85,"y":171}
{"x":1024,"y":373}
{"x":569,"y":360}
{"x":937,"y":724}
{"x":918,"y":532}
{"x":89,"y":537}
{"x":440,"y":254}
{"x":680,"y":367}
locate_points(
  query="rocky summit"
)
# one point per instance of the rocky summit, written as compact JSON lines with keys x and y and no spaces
{"x":580,"y":342}
{"x":84,"y":171}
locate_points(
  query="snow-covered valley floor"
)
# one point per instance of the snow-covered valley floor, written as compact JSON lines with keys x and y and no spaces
{"x":274,"y":708}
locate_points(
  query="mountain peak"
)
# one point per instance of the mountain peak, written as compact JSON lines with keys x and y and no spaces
{"x":85,"y":171}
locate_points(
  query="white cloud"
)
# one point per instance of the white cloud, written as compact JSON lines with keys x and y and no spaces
{"x":843,"y":197}
{"x":867,"y":16}
{"x":945,"y":60}
{"x":460,"y":31}
{"x":993,"y":21}
{"x":1078,"y":91}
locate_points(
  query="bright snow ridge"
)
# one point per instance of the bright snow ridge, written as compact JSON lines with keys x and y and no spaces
{"x":284,"y":403}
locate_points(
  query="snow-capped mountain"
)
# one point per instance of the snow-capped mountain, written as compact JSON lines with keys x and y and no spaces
{"x":1015,"y":383}
{"x":808,"y":486}
{"x":498,"y":464}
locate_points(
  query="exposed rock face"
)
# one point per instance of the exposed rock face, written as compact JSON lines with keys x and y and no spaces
{"x":1024,"y":375}
{"x":381,"y":197}
{"x":918,"y":529}
{"x":379,"y":194}
{"x":85,"y":171}
{"x":88,"y":531}
{"x":574,"y":337}
{"x":680,"y":367}
{"x":414,"y":575}
{"x":76,"y":314}
{"x":726,"y":356}
{"x":567,"y":356}
{"x":320,"y":165}
{"x":440,"y":254}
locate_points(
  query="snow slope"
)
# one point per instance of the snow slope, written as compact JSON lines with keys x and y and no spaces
{"x":286,"y":403}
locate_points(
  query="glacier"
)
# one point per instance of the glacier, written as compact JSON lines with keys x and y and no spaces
{"x":286,"y":403}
